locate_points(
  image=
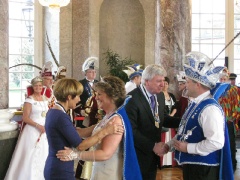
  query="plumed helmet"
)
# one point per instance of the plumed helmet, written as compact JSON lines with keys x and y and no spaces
{"x":89,"y":63}
{"x":47,"y":69}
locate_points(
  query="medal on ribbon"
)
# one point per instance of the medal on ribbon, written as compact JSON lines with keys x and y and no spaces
{"x":43,"y":114}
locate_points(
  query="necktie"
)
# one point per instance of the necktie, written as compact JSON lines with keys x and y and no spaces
{"x":153,"y":102}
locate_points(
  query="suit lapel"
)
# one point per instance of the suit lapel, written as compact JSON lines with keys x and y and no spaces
{"x":145,"y":104}
{"x":88,"y":87}
{"x":161,"y":107}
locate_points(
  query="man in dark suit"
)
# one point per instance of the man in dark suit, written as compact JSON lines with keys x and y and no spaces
{"x":89,"y":70}
{"x":146,"y":113}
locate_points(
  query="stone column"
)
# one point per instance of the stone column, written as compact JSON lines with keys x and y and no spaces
{"x":80,"y":35}
{"x":175,"y":36}
{"x":65,"y":38}
{"x":51,"y":27}
{"x":58,"y":26}
{"x":4,"y":54}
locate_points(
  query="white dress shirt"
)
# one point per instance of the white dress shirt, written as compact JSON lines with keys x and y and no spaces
{"x":212,"y":122}
{"x":90,"y":82}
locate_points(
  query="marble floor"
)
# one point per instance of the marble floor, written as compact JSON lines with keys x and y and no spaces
{"x":169,"y":174}
{"x":176,"y":173}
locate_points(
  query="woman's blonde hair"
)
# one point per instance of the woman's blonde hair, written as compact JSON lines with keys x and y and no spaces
{"x":65,"y":87}
{"x":114,"y":87}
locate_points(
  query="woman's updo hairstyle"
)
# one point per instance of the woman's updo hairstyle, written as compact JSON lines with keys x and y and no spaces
{"x":114,"y":87}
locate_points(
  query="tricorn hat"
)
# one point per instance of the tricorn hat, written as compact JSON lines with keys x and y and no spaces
{"x":133,"y":70}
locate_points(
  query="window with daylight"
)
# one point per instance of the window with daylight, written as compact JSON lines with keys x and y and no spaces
{"x":214,"y":24}
{"x":208,"y":28}
{"x":236,"y":54}
{"x":21,"y":49}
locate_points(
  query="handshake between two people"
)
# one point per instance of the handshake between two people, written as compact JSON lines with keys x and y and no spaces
{"x":162,"y":148}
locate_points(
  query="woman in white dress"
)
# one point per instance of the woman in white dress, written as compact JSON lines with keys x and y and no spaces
{"x":31,"y":151}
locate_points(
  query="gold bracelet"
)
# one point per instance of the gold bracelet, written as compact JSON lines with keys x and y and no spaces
{"x":36,"y":125}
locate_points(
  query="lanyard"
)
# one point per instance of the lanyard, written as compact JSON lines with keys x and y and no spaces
{"x":59,"y":105}
{"x":154,"y":111}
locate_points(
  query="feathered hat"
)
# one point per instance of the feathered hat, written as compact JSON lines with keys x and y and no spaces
{"x":47,"y":69}
{"x":133,"y":70}
{"x":61,"y":72}
{"x":181,"y":77}
{"x":89,"y":63}
{"x":225,"y":72}
{"x":200,"y":68}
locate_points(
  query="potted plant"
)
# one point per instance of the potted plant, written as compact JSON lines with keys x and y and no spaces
{"x":116,"y":64}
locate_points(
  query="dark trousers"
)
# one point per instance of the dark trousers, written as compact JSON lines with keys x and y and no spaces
{"x":79,"y":169}
{"x":150,"y":175}
{"x":80,"y":124}
{"x":232,"y":141}
{"x":200,"y":172}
